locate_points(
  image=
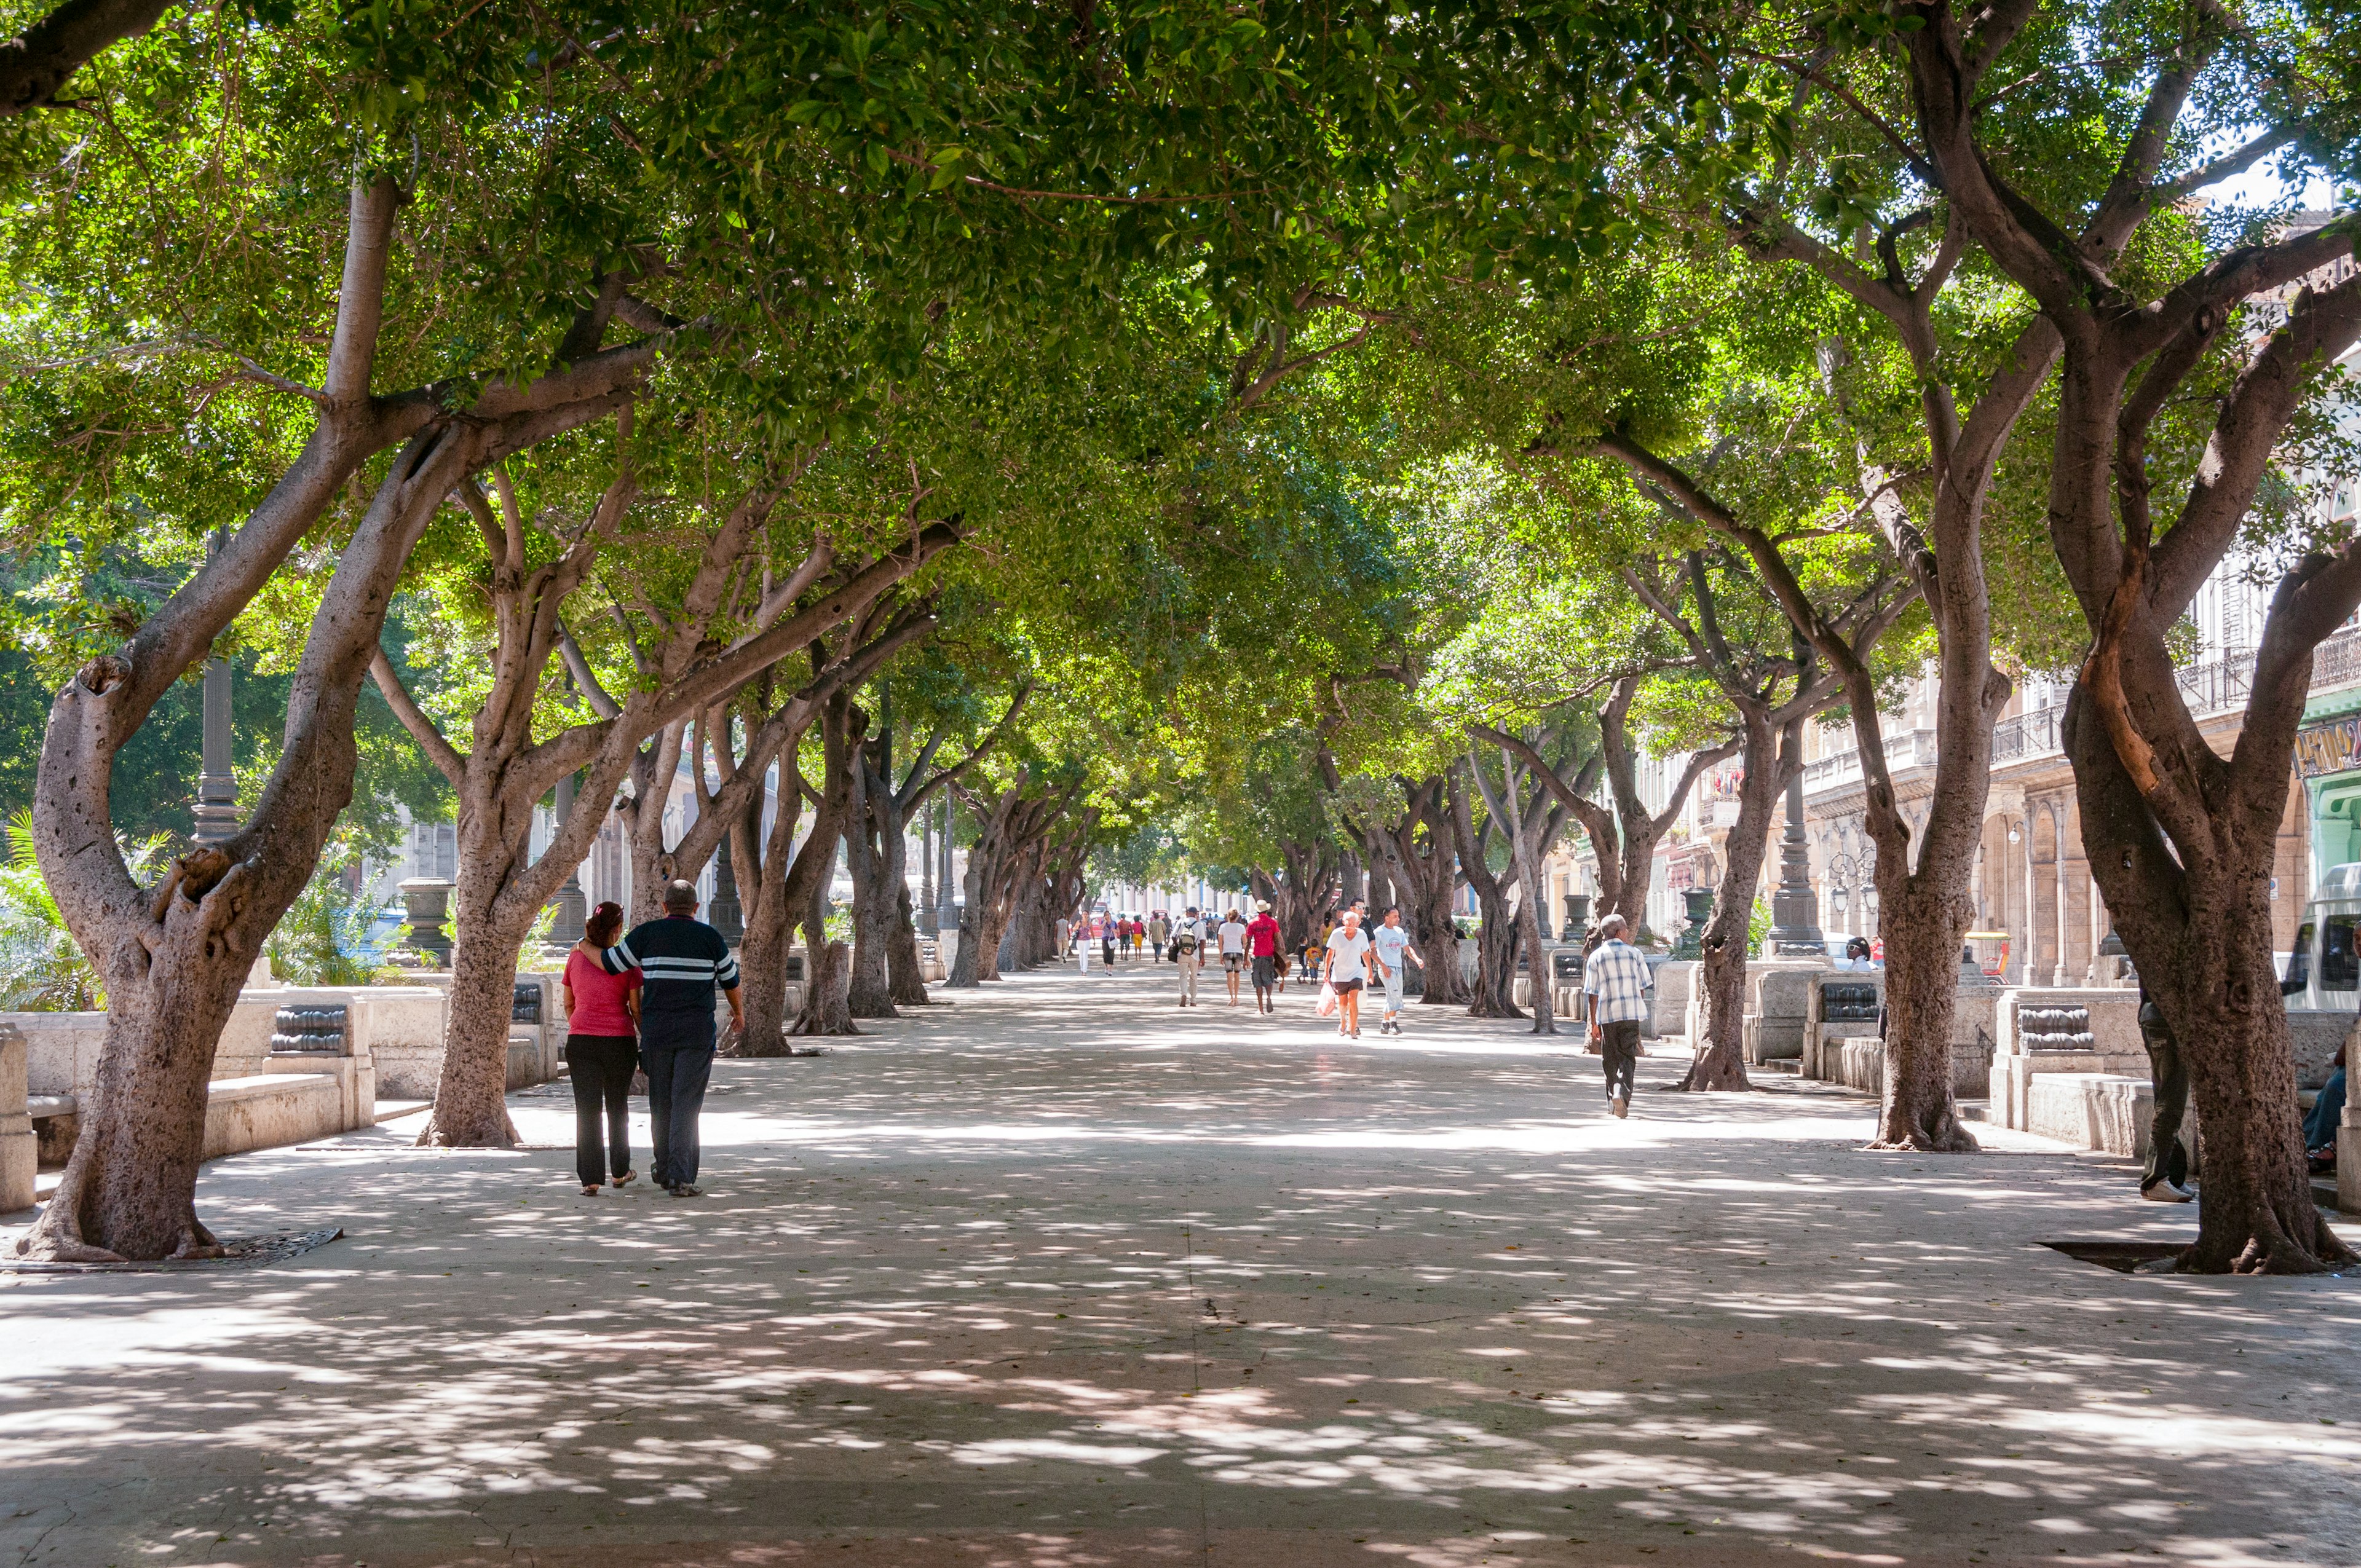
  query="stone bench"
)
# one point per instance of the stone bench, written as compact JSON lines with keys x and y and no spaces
{"x":19,"y":1163}
{"x":2109,"y":1111}
{"x":271,"y":1110}
{"x":1858,"y":1062}
{"x":57,"y":1122}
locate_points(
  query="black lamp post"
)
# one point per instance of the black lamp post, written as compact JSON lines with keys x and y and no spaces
{"x":1795,"y":909}
{"x":217,"y":808}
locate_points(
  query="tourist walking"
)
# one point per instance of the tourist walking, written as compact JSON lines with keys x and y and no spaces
{"x":1233,"y":939}
{"x":1083,"y":943}
{"x":1189,"y":953}
{"x":1348,"y":970}
{"x":1108,"y":937}
{"x":1160,"y":931}
{"x":1616,"y":981}
{"x":1391,"y":945}
{"x":684,"y":960}
{"x":602,"y":1052}
{"x":1262,"y":954}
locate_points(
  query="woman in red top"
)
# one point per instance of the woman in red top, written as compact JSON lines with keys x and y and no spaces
{"x":602,"y":1050}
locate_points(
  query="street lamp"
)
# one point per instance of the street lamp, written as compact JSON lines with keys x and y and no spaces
{"x":216,"y":807}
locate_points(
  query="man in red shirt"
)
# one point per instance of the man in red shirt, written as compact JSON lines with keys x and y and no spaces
{"x":1262,"y":945}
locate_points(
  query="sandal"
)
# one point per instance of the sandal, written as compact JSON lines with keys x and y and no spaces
{"x":592,"y":1190}
{"x":627,"y":1176}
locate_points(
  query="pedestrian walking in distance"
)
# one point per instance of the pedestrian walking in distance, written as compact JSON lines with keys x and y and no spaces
{"x":1189,"y":953}
{"x":1262,"y":950}
{"x":1233,"y":939}
{"x":1615,"y":980}
{"x":1347,"y":968}
{"x":684,"y":960}
{"x":1391,"y":945}
{"x":602,"y":1051}
{"x":1160,"y":931}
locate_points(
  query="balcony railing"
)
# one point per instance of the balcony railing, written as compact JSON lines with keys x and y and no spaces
{"x":1903,"y":748}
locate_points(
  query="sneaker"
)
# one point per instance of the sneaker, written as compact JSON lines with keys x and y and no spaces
{"x":1621,"y":1106}
{"x":2168,"y":1192}
{"x":686,"y":1190}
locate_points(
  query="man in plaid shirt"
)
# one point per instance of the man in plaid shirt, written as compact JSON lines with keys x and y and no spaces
{"x":1616,"y":979}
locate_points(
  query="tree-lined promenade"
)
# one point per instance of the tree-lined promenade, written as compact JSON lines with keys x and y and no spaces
{"x":1171,"y":435}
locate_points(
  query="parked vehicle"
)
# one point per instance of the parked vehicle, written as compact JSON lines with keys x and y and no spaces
{"x":2323,"y":971}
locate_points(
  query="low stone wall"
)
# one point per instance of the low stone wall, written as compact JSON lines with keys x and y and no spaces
{"x":2104,"y":1111}
{"x":2114,"y":1050}
{"x":272,"y":1110}
{"x":19,"y":1162}
{"x":394,"y":1048}
{"x":2314,"y":1038}
{"x":1778,"y":1005}
{"x":1668,"y":1014}
{"x":1859,"y":1062}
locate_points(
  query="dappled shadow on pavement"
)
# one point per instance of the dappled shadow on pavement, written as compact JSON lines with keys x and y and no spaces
{"x":1061,"y":1276}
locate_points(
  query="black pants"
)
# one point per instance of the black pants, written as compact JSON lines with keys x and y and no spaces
{"x":678,"y":1056}
{"x":601,"y":1067}
{"x":1618,"y":1051}
{"x":2168,"y":1156}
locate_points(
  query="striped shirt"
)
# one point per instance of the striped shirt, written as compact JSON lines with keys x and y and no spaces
{"x":684,"y":960}
{"x":1618,"y":980}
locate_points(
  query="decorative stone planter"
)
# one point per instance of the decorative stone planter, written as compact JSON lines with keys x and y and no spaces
{"x":426,"y":901}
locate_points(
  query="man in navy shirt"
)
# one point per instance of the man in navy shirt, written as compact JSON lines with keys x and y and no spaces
{"x":683,"y":959}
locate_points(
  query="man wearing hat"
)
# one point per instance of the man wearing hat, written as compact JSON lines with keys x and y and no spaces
{"x":1262,"y":947}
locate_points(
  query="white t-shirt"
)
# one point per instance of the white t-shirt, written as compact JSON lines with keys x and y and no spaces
{"x":1234,"y":938}
{"x":1390,"y":941}
{"x":1351,"y":952}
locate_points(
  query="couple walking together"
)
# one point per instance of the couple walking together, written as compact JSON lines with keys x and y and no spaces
{"x":644,"y":1002}
{"x":1357,"y":959}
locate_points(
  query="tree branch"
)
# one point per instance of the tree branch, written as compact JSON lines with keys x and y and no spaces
{"x":439,"y":751}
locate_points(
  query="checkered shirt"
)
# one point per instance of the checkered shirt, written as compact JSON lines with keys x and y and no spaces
{"x":1616,"y":979}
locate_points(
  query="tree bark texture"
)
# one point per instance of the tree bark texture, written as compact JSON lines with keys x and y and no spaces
{"x":1495,"y":994}
{"x":1720,"y":1061}
{"x":36,"y":65}
{"x":1416,"y":854}
{"x":2181,"y":840}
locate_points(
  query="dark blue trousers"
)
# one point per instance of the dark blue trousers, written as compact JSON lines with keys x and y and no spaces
{"x":678,"y":1055}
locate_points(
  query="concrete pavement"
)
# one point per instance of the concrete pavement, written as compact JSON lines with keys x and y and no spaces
{"x":1064,"y":1275}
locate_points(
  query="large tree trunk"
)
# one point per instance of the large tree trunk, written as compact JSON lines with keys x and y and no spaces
{"x":129,"y":1187}
{"x":827,"y":966}
{"x":2199,"y":933}
{"x":1417,"y":856}
{"x":1923,"y":925}
{"x":909,"y":985}
{"x":1721,"y":972}
{"x":762,"y":950}
{"x":1495,"y":994}
{"x":471,"y":1093}
{"x":873,"y":859}
{"x":176,"y":958}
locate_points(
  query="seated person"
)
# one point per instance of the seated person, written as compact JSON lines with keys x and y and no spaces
{"x":2327,"y":1111}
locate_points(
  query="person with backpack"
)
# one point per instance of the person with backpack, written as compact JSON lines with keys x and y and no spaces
{"x":1189,"y":953}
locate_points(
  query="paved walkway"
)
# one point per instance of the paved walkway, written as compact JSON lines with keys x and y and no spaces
{"x":1063,"y":1275}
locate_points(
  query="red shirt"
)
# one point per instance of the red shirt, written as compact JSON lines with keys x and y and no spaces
{"x":1262,"y":936}
{"x":598,"y":997}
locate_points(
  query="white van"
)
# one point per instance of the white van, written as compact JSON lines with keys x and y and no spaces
{"x":2323,"y":972}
